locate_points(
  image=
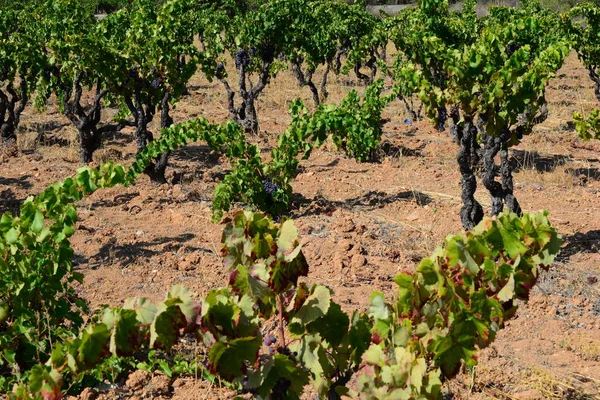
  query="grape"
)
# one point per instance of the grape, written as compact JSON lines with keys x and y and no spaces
{"x":269,"y":340}
{"x":442,"y":119}
{"x":156,"y":84}
{"x":220,"y":71}
{"x":511,"y":48}
{"x":133,"y":72}
{"x":270,"y":187}
{"x":242,"y":59}
{"x":252,"y":51}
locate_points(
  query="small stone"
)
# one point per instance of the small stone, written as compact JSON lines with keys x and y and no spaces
{"x":160,"y":384}
{"x":345,"y":245}
{"x":178,"y":383}
{"x":88,"y":394}
{"x":346,"y":225}
{"x":139,"y":233}
{"x":137,"y":379}
{"x":357,"y":262}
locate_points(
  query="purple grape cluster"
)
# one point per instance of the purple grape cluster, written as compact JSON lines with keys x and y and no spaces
{"x":156,"y":83}
{"x":270,"y":187}
{"x":511,"y":48}
{"x":443,"y":117}
{"x":269,"y":340}
{"x":242,"y":59}
{"x":220,"y":71}
{"x":133,"y":72}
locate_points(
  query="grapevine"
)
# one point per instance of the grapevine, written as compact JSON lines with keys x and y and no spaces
{"x":449,"y":308}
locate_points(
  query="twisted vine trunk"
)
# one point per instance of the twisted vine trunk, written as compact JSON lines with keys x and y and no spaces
{"x":245,"y":114}
{"x":143,"y":114}
{"x":371,"y":64}
{"x":492,"y":146}
{"x":471,"y":212}
{"x":414,"y":112}
{"x":305,"y":79}
{"x":596,"y":79}
{"x":507,"y":182}
{"x":11,"y":108}
{"x":324,"y":93}
{"x":156,"y":169}
{"x":86,"y":122}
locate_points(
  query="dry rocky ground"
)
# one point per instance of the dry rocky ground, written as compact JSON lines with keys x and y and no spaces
{"x":360,"y":224}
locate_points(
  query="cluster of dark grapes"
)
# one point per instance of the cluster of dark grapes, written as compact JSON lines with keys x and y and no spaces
{"x":242,"y":59}
{"x":269,"y":341}
{"x":156,"y":83}
{"x":442,"y":118}
{"x":48,"y":71}
{"x":133,"y":72}
{"x":270,"y":187}
{"x":280,"y":389}
{"x":4,"y":72}
{"x":511,"y":48}
{"x":220,"y":71}
{"x":252,"y":51}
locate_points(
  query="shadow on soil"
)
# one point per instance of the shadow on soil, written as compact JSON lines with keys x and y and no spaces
{"x":588,"y":173}
{"x":197,"y":153}
{"x":579,"y":242}
{"x":373,"y":199}
{"x":389,"y":150}
{"x":119,"y":200}
{"x":9,"y":201}
{"x":524,"y":160}
{"x":127,"y":253}
{"x":21,"y":182}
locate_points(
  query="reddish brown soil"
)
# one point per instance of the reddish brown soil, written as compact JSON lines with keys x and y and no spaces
{"x":360,"y":224}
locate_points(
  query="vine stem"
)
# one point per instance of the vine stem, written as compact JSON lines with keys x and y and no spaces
{"x":280,"y":317}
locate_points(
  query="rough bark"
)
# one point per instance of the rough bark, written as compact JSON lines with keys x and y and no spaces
{"x":324,"y":93}
{"x":507,"y":182}
{"x":414,"y":112}
{"x":90,"y":138}
{"x":305,"y":79}
{"x":156,"y":169}
{"x":491,"y":148}
{"x":245,"y":114}
{"x":471,"y":212}
{"x":11,"y":107}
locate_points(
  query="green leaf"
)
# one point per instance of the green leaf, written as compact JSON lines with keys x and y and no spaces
{"x":379,"y":309}
{"x":315,"y":306}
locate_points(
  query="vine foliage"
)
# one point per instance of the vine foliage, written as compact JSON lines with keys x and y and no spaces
{"x":453,"y":305}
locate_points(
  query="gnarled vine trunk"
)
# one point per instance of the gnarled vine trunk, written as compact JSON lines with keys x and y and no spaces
{"x":471,"y":212}
{"x":305,"y":79}
{"x":371,"y":64}
{"x":11,"y":108}
{"x":245,"y":114}
{"x":156,"y":169}
{"x":596,"y":79}
{"x":86,"y":122}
